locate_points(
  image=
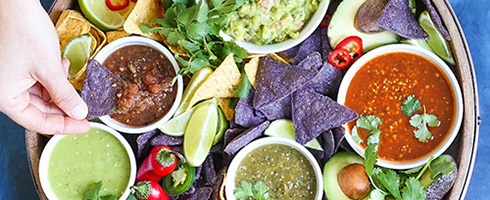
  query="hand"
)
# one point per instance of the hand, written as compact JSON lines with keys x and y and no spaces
{"x":34,"y":91}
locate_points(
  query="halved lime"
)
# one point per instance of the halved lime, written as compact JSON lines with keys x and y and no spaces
{"x":437,"y":41}
{"x":191,"y":88}
{"x":97,"y":12}
{"x":200,"y":132}
{"x":222,"y":126}
{"x":176,"y":126}
{"x":78,"y":52}
{"x":285,"y":128}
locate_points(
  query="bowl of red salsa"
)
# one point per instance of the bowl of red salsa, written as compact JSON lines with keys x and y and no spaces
{"x":148,"y":97}
{"x":407,"y":95}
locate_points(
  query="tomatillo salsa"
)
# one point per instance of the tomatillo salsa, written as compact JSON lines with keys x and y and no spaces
{"x":285,"y":171}
{"x":380,"y":87}
{"x":148,"y":93}
{"x":78,"y":161}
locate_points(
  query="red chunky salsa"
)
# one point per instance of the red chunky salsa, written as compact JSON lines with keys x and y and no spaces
{"x":380,"y":87}
{"x":147,"y":93}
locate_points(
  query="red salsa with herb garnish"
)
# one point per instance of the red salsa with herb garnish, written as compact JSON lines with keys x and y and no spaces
{"x":380,"y":87}
{"x":147,"y":93}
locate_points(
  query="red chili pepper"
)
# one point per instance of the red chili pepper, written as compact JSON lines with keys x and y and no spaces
{"x":134,"y":1}
{"x":161,"y":162}
{"x":340,"y":59}
{"x":149,"y":190}
{"x":325,"y":21}
{"x":117,"y":5}
{"x":353,"y":44}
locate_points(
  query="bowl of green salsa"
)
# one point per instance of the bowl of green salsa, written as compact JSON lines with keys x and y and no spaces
{"x":275,"y":168}
{"x":70,"y":165}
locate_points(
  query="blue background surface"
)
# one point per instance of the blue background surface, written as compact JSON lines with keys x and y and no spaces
{"x":474,"y":16}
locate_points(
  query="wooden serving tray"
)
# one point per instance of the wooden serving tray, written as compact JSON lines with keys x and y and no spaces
{"x":463,"y":148}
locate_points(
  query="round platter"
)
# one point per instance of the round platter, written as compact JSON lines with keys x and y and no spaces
{"x":463,"y":148}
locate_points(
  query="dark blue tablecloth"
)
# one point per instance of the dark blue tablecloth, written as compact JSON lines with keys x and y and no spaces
{"x":474,"y":15}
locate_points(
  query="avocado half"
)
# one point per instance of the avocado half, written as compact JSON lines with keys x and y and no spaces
{"x":332,"y":169}
{"x":342,"y":26}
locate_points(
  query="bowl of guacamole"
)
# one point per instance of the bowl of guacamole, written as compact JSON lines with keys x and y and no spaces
{"x":276,"y":168}
{"x":269,"y":26}
{"x":71,"y":164}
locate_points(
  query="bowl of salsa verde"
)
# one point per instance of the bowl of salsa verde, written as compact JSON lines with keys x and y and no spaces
{"x":409,"y":103}
{"x":280,"y":168}
{"x":148,"y":96}
{"x":71,"y":166}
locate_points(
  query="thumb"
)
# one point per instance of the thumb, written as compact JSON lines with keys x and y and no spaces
{"x":61,"y":91}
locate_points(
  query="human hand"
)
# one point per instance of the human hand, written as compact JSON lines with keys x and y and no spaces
{"x":34,"y":90}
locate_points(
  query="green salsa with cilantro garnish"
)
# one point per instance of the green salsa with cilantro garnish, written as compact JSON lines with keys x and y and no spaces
{"x":270,"y":21}
{"x":78,"y":161}
{"x":286,"y":172}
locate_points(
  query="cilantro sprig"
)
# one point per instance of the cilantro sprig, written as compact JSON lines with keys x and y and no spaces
{"x":370,"y":123}
{"x":258,"y":191}
{"x":93,"y":193}
{"x":195,"y":28}
{"x":410,"y":105}
{"x":421,"y":122}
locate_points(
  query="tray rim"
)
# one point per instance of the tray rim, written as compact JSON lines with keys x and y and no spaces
{"x":461,"y":190}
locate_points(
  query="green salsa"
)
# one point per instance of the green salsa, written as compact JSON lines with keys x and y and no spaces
{"x":287,"y":172}
{"x":270,"y":21}
{"x":77,"y":161}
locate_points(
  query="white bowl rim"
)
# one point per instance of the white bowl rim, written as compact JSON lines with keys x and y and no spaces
{"x":453,"y":84}
{"x":232,"y":168}
{"x":305,"y":32}
{"x":48,"y":149}
{"x":138,"y":40}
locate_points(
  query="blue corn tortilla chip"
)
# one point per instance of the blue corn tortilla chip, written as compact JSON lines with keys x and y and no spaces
{"x":327,"y":80}
{"x":143,"y":142}
{"x":311,"y":62}
{"x":208,"y":176}
{"x":231,"y":133}
{"x":436,"y":18}
{"x":167,"y":140}
{"x":397,"y":18}
{"x":203,"y":193}
{"x":338,"y":136}
{"x":310,"y":45}
{"x":245,"y":114}
{"x":246,"y":137}
{"x":290,"y":53}
{"x":100,"y":89}
{"x":328,"y":144}
{"x":326,"y":48}
{"x":277,"y":110}
{"x":276,"y":81}
{"x":314,"y":113}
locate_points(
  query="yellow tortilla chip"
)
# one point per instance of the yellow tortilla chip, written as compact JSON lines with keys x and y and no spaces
{"x":79,"y":78}
{"x":114,"y":35}
{"x":277,"y":58}
{"x":144,"y":11}
{"x":224,"y":104}
{"x":282,"y":54}
{"x":221,"y":83}
{"x":251,"y":70}
{"x":255,"y":55}
{"x":101,"y":39}
{"x":93,"y":45}
{"x":69,"y":26}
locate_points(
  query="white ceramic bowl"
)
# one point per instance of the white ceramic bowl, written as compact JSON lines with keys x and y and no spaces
{"x":137,"y":40}
{"x":453,"y":84}
{"x":305,"y":32}
{"x":48,"y":149}
{"x":232,"y":169}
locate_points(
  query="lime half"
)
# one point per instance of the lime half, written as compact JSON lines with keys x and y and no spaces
{"x":191,"y":88}
{"x":222,"y":126}
{"x":284,"y":128}
{"x":77,"y":51}
{"x":97,"y":12}
{"x":200,"y":132}
{"x":176,"y":126}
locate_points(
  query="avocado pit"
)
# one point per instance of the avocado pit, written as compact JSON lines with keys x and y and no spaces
{"x":354,"y":181}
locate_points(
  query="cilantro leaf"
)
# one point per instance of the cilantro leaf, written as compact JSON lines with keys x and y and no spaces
{"x":370,"y":156}
{"x":243,"y":88}
{"x":390,"y":180}
{"x":355,"y":135}
{"x":370,"y":122}
{"x":441,"y":166}
{"x":93,"y":193}
{"x":244,"y":191}
{"x":174,"y":37}
{"x":422,"y":134}
{"x":413,"y":190}
{"x":377,"y":194}
{"x":202,"y":14}
{"x":374,"y":137}
{"x":421,"y":121}
{"x":147,"y":29}
{"x":431,"y":120}
{"x":258,"y":191}
{"x":410,"y":105}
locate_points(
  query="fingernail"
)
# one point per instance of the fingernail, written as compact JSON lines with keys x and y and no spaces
{"x":79,"y":112}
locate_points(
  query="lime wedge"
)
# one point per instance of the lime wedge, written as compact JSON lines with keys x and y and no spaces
{"x":284,"y":128}
{"x":222,"y":126}
{"x":419,"y":43}
{"x":199,"y":133}
{"x":191,"y":88}
{"x":78,"y":52}
{"x":437,"y":42}
{"x":176,"y":126}
{"x":98,"y":13}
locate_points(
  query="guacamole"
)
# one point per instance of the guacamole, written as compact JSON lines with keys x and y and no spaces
{"x":270,"y":21}
{"x":285,"y":171}
{"x":77,"y":161}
